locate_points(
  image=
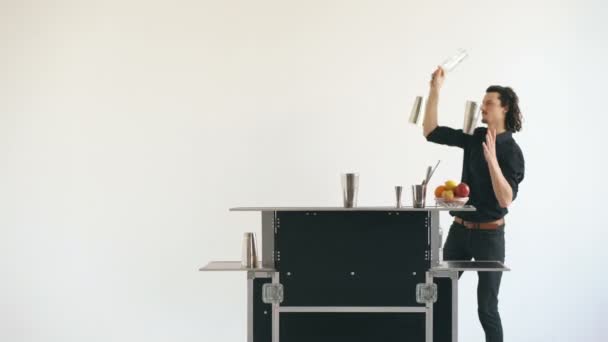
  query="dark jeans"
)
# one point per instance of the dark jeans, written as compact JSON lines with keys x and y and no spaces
{"x":480,"y":244}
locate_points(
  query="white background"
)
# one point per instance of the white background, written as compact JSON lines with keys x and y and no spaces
{"x":128,"y":128}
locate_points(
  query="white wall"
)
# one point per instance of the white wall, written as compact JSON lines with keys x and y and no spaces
{"x":128,"y":128}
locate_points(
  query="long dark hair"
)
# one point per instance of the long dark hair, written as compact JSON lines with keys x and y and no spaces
{"x":508,"y":99}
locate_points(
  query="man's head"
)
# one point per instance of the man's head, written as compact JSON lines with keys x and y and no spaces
{"x":500,"y":108}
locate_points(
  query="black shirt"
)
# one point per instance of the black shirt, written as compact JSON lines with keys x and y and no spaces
{"x":475,"y":171}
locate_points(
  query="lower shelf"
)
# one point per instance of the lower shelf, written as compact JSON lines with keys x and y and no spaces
{"x":480,"y":266}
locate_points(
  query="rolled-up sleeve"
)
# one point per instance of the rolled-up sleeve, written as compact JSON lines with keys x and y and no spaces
{"x":448,"y":136}
{"x":513,"y":169}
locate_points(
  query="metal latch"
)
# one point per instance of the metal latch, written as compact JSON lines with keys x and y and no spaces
{"x":272,"y":293}
{"x":426,"y":293}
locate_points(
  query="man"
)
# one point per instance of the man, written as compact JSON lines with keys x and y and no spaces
{"x":493,"y":167}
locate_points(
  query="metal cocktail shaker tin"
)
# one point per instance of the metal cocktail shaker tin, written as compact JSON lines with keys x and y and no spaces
{"x":419,"y":195}
{"x":350,"y":188}
{"x":398,"y":191}
{"x":250,"y":253}
{"x":416,"y":109}
{"x":471,"y":116}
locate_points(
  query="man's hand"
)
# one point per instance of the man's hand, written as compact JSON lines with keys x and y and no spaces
{"x":437,"y":78}
{"x":502,"y":188}
{"x":489,"y":147}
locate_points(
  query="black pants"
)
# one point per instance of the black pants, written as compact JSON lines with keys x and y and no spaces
{"x":465,"y":244}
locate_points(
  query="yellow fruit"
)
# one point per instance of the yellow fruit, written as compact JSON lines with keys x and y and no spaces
{"x":448,"y":195}
{"x":439,"y":190}
{"x":450,"y":185}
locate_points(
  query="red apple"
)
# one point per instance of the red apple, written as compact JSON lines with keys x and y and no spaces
{"x":462,"y":190}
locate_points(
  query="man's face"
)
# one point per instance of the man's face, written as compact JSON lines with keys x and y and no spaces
{"x":492,"y":113}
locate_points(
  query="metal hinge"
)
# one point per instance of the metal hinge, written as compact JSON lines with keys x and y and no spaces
{"x":272,"y":293}
{"x":426,"y":293}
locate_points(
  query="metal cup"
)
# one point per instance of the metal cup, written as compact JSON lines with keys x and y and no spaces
{"x":350,"y":187}
{"x":398,"y":191}
{"x":415,"y":114}
{"x":419,"y":195}
{"x":470,"y":117}
{"x":250,"y":254}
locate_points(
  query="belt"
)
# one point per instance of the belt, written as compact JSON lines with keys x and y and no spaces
{"x":480,"y":225}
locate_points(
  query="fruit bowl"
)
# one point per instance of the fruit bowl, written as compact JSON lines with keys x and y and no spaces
{"x":457,"y":202}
